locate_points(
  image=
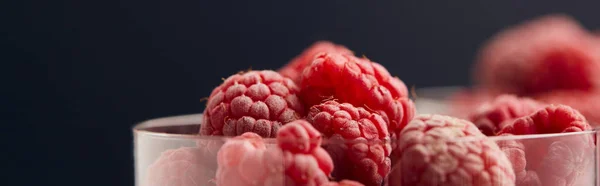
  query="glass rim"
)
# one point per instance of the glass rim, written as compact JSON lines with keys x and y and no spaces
{"x":196,"y":119}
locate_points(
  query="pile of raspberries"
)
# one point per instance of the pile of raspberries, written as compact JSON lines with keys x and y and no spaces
{"x":325,"y":93}
{"x":338,"y":119}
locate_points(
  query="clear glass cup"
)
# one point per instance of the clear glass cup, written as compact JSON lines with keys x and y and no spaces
{"x":168,"y":151}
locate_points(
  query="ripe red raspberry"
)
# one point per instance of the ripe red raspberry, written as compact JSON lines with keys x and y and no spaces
{"x":306,"y":162}
{"x":343,"y":183}
{"x":183,"y":167}
{"x":490,"y":116}
{"x":300,"y":137}
{"x":255,"y":101}
{"x":586,"y":102}
{"x":246,"y":161}
{"x":358,"y":141}
{"x":554,"y":160}
{"x":359,"y":82}
{"x":294,"y":68}
{"x":549,"y":53}
{"x":307,"y":169}
{"x":429,"y":153}
{"x":550,"y":119}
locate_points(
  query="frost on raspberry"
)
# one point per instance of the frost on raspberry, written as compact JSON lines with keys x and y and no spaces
{"x":429,"y":153}
{"x":255,"y":101}
{"x":357,"y":81}
{"x":551,"y":160}
{"x":358,"y":141}
{"x":294,"y":68}
{"x":490,"y":116}
{"x":182,"y":167}
{"x":549,"y":53}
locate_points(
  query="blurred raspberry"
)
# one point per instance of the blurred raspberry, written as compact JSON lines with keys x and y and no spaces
{"x":557,"y":160}
{"x":549,"y":53}
{"x":528,"y":178}
{"x":505,"y":108}
{"x":463,"y":102}
{"x":208,"y":150}
{"x":343,"y":183}
{"x":428,"y":153}
{"x":360,"y":82}
{"x":247,"y":161}
{"x":359,"y":141}
{"x":294,"y":68}
{"x":179,"y":167}
{"x":255,"y":101}
{"x":587,"y":103}
{"x":550,"y":119}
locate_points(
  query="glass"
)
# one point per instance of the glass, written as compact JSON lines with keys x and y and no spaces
{"x":168,"y":152}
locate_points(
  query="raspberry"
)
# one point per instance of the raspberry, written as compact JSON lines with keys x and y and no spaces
{"x":294,"y":68}
{"x":255,"y":101}
{"x":587,"y":103}
{"x":299,"y":137}
{"x":549,"y":161}
{"x":549,"y":53}
{"x":209,"y":149}
{"x":304,"y":166}
{"x":361,"y":152}
{"x":550,"y":119}
{"x":489,"y":116}
{"x":359,"y":82}
{"x":248,"y":161}
{"x":306,"y":169}
{"x":528,"y":178}
{"x":182,"y":167}
{"x":429,"y":153}
{"x":343,"y":183}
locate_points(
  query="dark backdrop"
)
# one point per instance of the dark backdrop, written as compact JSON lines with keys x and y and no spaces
{"x":81,"y":73}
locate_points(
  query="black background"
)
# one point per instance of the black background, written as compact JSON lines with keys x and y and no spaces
{"x":79,"y":73}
